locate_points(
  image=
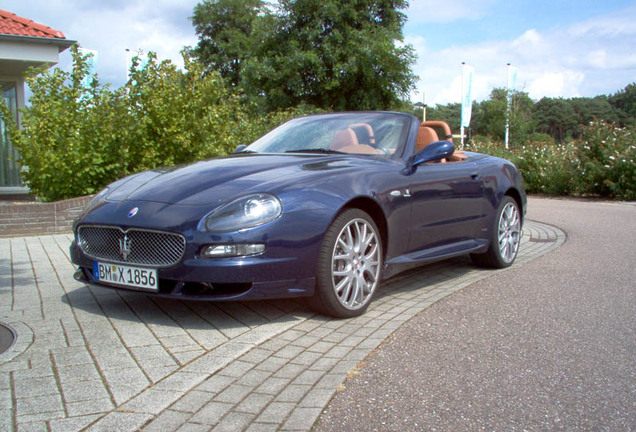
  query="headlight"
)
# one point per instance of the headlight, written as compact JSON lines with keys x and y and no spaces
{"x":232,"y":250}
{"x":242,"y":213}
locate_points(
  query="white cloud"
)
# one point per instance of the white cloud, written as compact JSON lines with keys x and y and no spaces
{"x":610,"y":26}
{"x":529,"y":38}
{"x":587,"y":59}
{"x":555,"y":84}
{"x":161,"y":26}
{"x":418,"y":42}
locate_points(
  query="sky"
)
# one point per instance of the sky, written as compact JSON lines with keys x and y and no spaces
{"x":562,"y":48}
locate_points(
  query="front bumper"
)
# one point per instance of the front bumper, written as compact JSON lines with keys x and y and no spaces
{"x":286,"y":269}
{"x":242,"y":278}
{"x":211,"y":291}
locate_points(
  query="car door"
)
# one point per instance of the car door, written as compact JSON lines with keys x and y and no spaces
{"x":446,"y":204}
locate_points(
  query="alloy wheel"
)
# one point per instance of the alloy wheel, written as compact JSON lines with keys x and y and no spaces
{"x":355,"y":264}
{"x":509,"y":232}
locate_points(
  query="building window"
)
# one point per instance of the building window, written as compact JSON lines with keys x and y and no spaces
{"x":9,"y":168}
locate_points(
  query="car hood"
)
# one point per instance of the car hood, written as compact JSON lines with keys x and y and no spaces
{"x":215,"y":181}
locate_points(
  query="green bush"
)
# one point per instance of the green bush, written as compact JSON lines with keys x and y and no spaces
{"x":537,"y":137}
{"x":605,"y":161}
{"x":600,"y":163}
{"x":547,"y":168}
{"x":64,"y":143}
{"x":76,"y":139}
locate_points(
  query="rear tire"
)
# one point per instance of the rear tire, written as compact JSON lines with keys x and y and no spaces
{"x":504,"y":238}
{"x":349,"y":266}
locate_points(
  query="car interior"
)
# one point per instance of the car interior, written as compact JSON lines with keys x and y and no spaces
{"x":346,"y":141}
{"x":358,"y":138}
{"x":428,"y":134}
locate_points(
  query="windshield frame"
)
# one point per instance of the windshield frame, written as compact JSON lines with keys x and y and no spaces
{"x":391,"y":128}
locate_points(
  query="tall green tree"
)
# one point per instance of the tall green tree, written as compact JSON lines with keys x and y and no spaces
{"x":593,"y":109}
{"x":450,"y":114}
{"x":489,"y":117}
{"x":331,"y":54}
{"x":624,"y":102}
{"x":521,"y":123}
{"x":556,"y":117}
{"x":224,"y":28}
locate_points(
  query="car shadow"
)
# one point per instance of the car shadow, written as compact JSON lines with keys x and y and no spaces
{"x":221,"y":315}
{"x":151,"y":310}
{"x":425,"y":276}
{"x":11,"y":271}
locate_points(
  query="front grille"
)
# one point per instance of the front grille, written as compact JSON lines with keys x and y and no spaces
{"x":133,"y":246}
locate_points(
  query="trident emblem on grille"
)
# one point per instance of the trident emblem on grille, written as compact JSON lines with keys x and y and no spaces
{"x":124,"y":247}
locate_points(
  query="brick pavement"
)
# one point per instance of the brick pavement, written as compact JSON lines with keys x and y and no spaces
{"x":101,"y":360}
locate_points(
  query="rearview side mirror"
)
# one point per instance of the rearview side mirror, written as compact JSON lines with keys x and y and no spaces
{"x":435,"y":151}
{"x":239,"y":148}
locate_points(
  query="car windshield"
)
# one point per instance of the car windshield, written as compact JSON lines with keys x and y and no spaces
{"x":354,"y":133}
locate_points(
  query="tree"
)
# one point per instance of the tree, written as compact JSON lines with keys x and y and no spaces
{"x":624,"y":102}
{"x":556,"y":117}
{"x":593,"y":109}
{"x":451,"y":114}
{"x":490,"y":116}
{"x":522,"y":125}
{"x":326,"y":53}
{"x":225,"y":35}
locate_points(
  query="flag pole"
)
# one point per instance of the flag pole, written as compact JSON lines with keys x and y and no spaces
{"x":507,"y":104}
{"x":461,"y":129}
{"x":424,"y":107}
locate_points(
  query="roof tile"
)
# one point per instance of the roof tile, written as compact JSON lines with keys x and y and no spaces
{"x":12,"y":24}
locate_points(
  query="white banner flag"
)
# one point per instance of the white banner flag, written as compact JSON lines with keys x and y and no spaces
{"x":513,"y":72}
{"x":467,"y":97}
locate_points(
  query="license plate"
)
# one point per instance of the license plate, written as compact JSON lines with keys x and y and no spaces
{"x":134,"y":277}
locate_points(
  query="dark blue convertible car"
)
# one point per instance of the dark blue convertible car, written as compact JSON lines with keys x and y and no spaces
{"x":324,"y":207}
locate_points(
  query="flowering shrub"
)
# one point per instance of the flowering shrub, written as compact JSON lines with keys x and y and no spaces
{"x":606,"y":156}
{"x":600,"y":163}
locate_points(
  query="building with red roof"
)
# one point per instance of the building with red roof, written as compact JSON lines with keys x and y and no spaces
{"x":23,"y":44}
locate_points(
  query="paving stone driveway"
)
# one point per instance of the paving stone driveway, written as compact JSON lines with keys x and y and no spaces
{"x":100,"y":360}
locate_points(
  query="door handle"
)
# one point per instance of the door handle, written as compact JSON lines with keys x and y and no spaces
{"x":474,"y":175}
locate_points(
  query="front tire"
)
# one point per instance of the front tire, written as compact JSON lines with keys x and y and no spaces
{"x":504,"y":238}
{"x":349,"y":266}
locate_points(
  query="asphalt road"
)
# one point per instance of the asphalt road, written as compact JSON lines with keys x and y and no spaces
{"x":549,"y":345}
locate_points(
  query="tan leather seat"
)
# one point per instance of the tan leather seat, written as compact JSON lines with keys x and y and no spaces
{"x":361,"y":149}
{"x":425,"y":136}
{"x":343,"y":138}
{"x":346,"y":141}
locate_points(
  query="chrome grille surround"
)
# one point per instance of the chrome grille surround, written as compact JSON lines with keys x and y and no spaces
{"x":132,"y":246}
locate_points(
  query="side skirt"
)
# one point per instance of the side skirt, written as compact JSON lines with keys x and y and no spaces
{"x":401,"y":263}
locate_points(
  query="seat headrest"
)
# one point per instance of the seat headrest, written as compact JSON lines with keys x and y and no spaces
{"x":343,"y":138}
{"x":425,"y":136}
